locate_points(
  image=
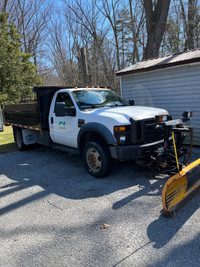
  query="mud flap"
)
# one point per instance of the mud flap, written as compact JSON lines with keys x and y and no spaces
{"x":180,"y":188}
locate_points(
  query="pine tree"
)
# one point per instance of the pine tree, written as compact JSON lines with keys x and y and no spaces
{"x":17,"y":72}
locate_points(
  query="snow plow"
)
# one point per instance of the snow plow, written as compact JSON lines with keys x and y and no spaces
{"x":180,"y":188}
{"x":185,"y":184}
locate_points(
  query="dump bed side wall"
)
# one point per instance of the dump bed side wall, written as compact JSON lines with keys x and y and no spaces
{"x":33,"y":114}
{"x":25,"y":114}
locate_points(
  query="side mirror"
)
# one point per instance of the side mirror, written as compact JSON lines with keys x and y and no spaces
{"x":131,"y":102}
{"x":60,"y":109}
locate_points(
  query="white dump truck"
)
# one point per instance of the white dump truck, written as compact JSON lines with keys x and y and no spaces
{"x":94,"y":122}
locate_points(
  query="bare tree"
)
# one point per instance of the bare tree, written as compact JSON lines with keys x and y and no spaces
{"x":59,"y":54}
{"x":109,"y":10}
{"x":92,"y":33}
{"x":31,"y":18}
{"x":156,"y":16}
{"x":3,"y":6}
{"x":6,"y":6}
{"x":137,"y":25}
{"x":191,"y":21}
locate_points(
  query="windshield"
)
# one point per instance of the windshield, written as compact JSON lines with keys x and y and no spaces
{"x":98,"y":98}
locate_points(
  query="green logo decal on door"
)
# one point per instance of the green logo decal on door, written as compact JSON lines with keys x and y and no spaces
{"x":61,"y":124}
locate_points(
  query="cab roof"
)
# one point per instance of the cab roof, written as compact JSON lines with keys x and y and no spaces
{"x":56,"y":88}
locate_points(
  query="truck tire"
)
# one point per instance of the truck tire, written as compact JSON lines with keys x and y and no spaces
{"x":97,"y":160}
{"x":19,"y":138}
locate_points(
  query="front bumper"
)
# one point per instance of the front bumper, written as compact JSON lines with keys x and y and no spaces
{"x":131,"y":152}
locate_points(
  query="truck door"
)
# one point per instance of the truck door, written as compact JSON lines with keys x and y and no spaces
{"x":64,"y":129}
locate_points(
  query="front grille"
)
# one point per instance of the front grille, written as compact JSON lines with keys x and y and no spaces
{"x":145,"y":131}
{"x":151,"y":134}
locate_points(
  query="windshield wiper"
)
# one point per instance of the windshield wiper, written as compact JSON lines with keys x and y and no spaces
{"x":116,"y":105}
{"x":82,"y":104}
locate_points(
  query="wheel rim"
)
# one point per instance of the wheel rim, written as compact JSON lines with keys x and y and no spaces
{"x":93,"y":159}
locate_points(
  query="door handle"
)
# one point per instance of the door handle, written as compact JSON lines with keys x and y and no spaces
{"x":51,"y":120}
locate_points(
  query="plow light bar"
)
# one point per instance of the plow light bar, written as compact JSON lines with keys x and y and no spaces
{"x":187,"y":114}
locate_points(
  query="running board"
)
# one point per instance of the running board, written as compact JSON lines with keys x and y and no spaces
{"x":66,"y":149}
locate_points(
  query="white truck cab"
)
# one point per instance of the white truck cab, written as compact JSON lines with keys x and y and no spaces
{"x":83,"y":106}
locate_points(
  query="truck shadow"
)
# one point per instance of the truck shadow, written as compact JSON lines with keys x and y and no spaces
{"x":145,"y":188}
{"x":65,"y":176}
{"x":162,"y":230}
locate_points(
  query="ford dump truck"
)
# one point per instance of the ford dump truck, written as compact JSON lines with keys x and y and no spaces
{"x":94,"y":122}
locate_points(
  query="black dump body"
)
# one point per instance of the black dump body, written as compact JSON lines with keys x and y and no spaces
{"x":25,"y":114}
{"x":33,"y":114}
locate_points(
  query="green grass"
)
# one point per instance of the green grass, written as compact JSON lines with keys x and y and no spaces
{"x":7,"y":143}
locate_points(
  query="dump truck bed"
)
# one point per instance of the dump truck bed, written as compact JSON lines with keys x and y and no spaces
{"x":25,"y":114}
{"x":33,"y":114}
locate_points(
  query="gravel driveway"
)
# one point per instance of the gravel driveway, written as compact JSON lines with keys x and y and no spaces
{"x":51,"y":213}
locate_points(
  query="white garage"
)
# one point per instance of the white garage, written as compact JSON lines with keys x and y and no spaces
{"x":171,"y":82}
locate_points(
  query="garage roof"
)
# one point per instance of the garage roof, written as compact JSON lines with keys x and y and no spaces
{"x":163,"y":62}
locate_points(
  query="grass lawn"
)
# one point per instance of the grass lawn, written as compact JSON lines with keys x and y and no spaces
{"x":6,"y":140}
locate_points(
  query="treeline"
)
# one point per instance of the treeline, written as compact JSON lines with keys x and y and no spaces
{"x":114,"y":34}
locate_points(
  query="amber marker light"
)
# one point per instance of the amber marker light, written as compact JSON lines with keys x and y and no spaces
{"x":162,"y":118}
{"x":119,"y":129}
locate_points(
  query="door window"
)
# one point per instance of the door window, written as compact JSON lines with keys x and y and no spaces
{"x":68,"y":109}
{"x":65,"y":98}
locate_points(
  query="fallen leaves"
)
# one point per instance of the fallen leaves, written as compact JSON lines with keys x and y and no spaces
{"x":104,"y":226}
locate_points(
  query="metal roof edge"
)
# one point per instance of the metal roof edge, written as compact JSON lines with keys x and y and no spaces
{"x":160,"y":65}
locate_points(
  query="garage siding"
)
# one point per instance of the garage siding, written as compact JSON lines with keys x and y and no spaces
{"x":174,"y":89}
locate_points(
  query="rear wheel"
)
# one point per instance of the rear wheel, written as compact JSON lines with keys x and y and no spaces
{"x":97,"y":159}
{"x":19,"y":138}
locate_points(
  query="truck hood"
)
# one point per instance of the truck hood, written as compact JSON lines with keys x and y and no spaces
{"x":123,"y":114}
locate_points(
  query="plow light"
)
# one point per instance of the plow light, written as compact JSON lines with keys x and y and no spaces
{"x":187,"y":114}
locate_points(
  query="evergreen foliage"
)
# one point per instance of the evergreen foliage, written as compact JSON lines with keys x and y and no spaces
{"x":17,"y":72}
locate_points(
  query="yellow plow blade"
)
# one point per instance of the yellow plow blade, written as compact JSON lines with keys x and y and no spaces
{"x":180,"y":188}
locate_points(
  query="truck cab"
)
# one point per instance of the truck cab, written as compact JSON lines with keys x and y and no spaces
{"x":105,"y":122}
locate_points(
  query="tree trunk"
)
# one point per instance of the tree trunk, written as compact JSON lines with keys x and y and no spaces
{"x":191,"y":23}
{"x":84,"y":66}
{"x":4,"y":6}
{"x":155,"y":23}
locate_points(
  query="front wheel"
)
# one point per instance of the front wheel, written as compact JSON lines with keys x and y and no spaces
{"x":97,"y":159}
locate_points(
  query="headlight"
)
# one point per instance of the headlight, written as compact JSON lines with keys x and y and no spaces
{"x":122,"y":134}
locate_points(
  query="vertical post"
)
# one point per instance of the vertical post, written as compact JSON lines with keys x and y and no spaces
{"x":176,"y":156}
